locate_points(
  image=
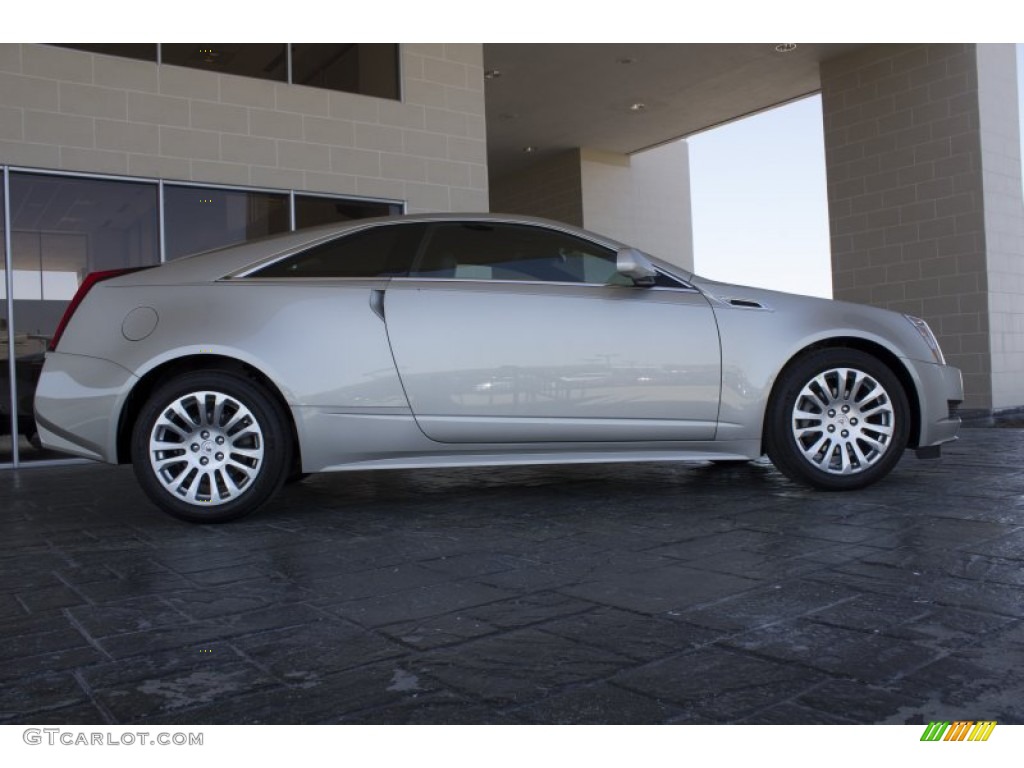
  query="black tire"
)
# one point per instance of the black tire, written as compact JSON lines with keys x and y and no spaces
{"x":830,"y":449}
{"x":296,"y":477}
{"x":230,"y":484}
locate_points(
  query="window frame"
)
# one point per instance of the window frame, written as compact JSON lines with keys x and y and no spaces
{"x":249,"y":273}
{"x":683,"y":285}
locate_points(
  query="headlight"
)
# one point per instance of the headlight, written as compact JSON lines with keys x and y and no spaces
{"x":929,"y":338}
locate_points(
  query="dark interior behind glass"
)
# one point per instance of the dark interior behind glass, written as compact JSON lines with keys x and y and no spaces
{"x":383,"y":251}
{"x":144,"y":51}
{"x":367,"y":68}
{"x":202,"y":218}
{"x":485,"y":251}
{"x":266,"y":61}
{"x":312,"y":210}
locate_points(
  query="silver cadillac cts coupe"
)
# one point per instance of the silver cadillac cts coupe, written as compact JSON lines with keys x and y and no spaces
{"x":472,"y":340}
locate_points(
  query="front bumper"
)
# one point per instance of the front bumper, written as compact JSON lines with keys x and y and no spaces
{"x":78,"y":400}
{"x":940,"y":391}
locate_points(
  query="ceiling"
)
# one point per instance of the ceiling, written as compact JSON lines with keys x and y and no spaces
{"x":555,"y":97}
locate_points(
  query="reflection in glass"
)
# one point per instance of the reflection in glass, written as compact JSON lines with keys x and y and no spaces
{"x":62,"y":229}
{"x":482,"y":251}
{"x":263,"y":60}
{"x":5,"y":349}
{"x":311,"y":211}
{"x":385,"y":251}
{"x":367,"y":68}
{"x":199,"y":219}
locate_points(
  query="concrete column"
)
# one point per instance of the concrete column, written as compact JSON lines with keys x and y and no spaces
{"x":925,"y":208}
{"x":550,"y":187}
{"x":1004,"y":219}
{"x":641,"y":199}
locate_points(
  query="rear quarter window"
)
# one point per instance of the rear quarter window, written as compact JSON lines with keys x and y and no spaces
{"x":381,"y":251}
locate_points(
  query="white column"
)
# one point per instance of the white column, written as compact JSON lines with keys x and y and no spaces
{"x":999,"y":120}
{"x":641,"y":199}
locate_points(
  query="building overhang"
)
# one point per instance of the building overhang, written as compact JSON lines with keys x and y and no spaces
{"x":626,"y":97}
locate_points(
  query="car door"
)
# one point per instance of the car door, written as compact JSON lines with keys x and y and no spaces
{"x":508,"y":332}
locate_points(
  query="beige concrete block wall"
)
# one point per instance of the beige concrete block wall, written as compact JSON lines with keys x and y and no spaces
{"x":550,"y":188}
{"x":905,"y":193}
{"x":70,"y":110}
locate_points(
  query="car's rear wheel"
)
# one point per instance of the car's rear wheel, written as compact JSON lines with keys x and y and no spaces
{"x":838,"y":420}
{"x":210,"y":446}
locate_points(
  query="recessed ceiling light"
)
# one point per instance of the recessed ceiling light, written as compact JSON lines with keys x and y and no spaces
{"x":637,"y":106}
{"x":785,"y":47}
{"x":529,"y":150}
{"x":492,"y":74}
{"x":209,"y":55}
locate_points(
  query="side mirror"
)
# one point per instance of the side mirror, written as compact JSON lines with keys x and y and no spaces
{"x":636,"y":266}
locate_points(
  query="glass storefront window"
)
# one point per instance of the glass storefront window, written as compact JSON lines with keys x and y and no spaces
{"x":6,"y":430}
{"x":144,"y":51}
{"x":266,"y":61}
{"x":370,"y":69}
{"x":367,"y":68}
{"x":62,"y":228}
{"x":311,"y":210}
{"x":199,"y":219}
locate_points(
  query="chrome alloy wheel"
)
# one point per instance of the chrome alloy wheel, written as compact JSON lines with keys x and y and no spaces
{"x":206,"y":448}
{"x":843,"y":421}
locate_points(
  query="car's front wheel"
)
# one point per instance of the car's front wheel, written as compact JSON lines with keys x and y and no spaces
{"x":838,"y":420}
{"x":210,"y":446}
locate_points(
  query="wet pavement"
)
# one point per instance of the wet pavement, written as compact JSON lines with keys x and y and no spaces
{"x":602,"y":594}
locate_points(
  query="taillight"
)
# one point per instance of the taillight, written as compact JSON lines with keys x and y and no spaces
{"x":90,"y":280}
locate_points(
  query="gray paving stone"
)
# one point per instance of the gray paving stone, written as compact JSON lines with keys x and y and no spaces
{"x":586,"y":594}
{"x":519,"y":666}
{"x":866,"y":704}
{"x":672,"y":588}
{"x":836,"y":650}
{"x":181,"y":689}
{"x":599,"y":704}
{"x":55,"y":690}
{"x":529,"y":609}
{"x":14,"y":670}
{"x":975,"y":681}
{"x":83,"y":713}
{"x":434,"y":708}
{"x":720,"y":684}
{"x":330,"y":699}
{"x":767,"y":605}
{"x":438,"y":631}
{"x":133,"y":615}
{"x":789,"y":713}
{"x":639,"y":636}
{"x":417,"y":603}
{"x":302,"y":654}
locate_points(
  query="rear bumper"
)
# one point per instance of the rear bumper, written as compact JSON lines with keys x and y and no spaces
{"x":940,"y":390}
{"x":77,"y":404}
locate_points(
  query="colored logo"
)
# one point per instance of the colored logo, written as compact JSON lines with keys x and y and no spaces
{"x":959,"y":730}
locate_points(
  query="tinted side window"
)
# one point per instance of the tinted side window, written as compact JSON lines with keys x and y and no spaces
{"x":384,"y":251}
{"x":482,"y":251}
